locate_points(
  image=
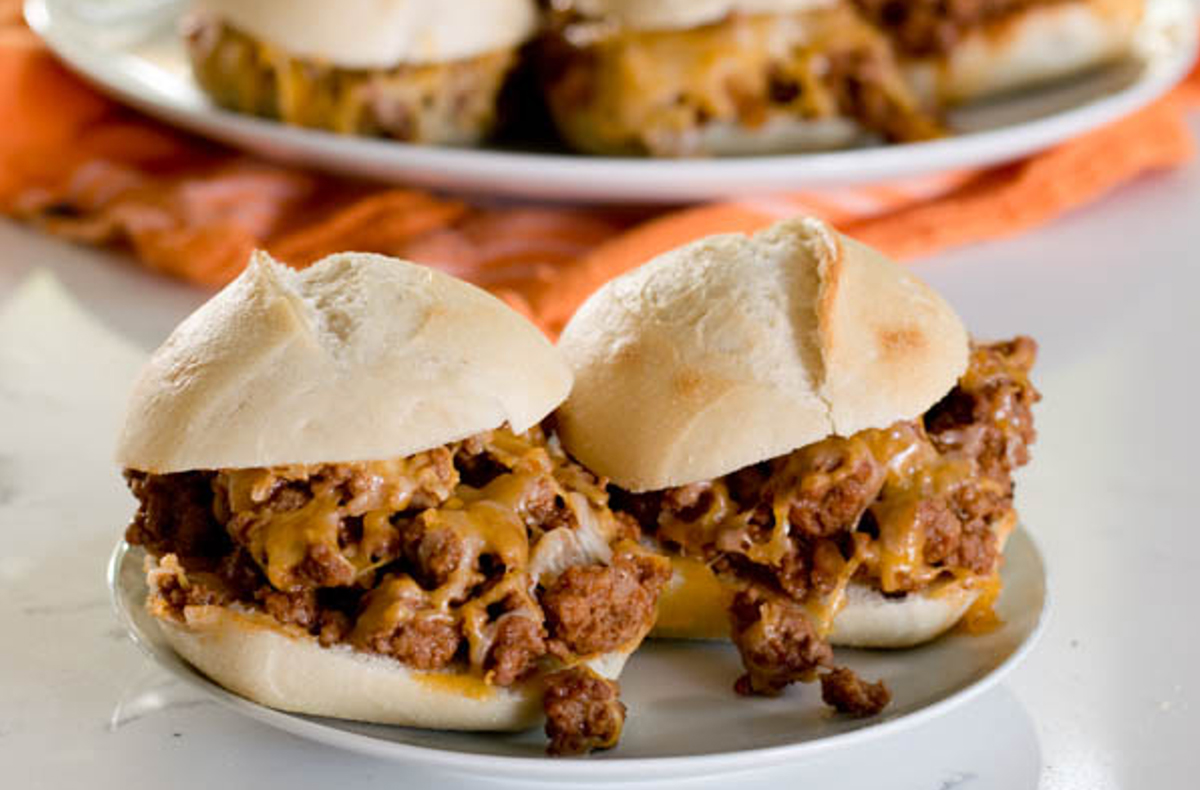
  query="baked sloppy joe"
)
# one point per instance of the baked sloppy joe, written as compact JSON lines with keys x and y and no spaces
{"x":421,"y":71}
{"x":807,"y":429}
{"x":719,"y":77}
{"x":957,"y":50}
{"x":349,"y":508}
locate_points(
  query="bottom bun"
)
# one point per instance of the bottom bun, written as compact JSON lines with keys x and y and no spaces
{"x":1042,"y":44}
{"x":870,"y":620}
{"x":780,"y":134}
{"x":254,"y":656}
{"x":695,"y":605}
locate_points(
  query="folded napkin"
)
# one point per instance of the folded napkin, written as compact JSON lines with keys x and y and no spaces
{"x":86,"y":168}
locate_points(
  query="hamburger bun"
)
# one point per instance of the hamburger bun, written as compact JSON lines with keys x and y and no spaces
{"x":419,"y":71}
{"x":1036,"y":45}
{"x":735,"y":349}
{"x":356,"y":358}
{"x":373,"y":34}
{"x":284,"y":667}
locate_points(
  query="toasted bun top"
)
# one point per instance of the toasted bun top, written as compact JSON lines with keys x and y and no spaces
{"x":683,"y":14}
{"x":735,"y":349}
{"x":358,"y":357}
{"x":381,"y":33}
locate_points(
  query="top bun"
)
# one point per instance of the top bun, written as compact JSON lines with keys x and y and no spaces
{"x":358,"y":357}
{"x":381,"y":33}
{"x":735,"y":349}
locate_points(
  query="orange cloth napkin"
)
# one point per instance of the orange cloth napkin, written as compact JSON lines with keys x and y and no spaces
{"x":85,"y":168}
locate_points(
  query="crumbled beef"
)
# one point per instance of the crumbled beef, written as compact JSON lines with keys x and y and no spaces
{"x":828,"y":485}
{"x":596,"y":608}
{"x":196,"y":591}
{"x":943,"y":530}
{"x":976,"y":551}
{"x":335,"y":627}
{"x":778,"y":643}
{"x":583,"y":712}
{"x":545,"y":509}
{"x":688,"y":502}
{"x":295,"y":608}
{"x":866,"y":87}
{"x":434,"y":553}
{"x":810,"y":564}
{"x":322,"y":566}
{"x":175,"y":515}
{"x":988,"y":416}
{"x":518,"y":644}
{"x":846,"y":692}
{"x":426,"y":641}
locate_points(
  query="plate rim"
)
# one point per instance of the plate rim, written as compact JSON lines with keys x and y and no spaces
{"x":573,"y":177}
{"x":547,"y":769}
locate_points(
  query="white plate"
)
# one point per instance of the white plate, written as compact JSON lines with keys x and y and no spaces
{"x":130,"y":49}
{"x":684,"y":719}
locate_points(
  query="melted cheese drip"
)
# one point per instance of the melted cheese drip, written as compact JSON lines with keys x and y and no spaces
{"x":280,"y":542}
{"x":457,"y":684}
{"x":285,"y":541}
{"x":694,"y":602}
{"x":981,"y":617}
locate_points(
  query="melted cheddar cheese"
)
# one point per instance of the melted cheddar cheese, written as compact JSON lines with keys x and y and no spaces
{"x":495,"y":521}
{"x":908,"y":471}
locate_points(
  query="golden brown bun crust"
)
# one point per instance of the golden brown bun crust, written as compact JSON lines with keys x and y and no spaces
{"x":358,"y":357}
{"x":735,"y":349}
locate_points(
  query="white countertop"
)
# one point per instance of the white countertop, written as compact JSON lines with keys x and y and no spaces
{"x":1109,"y":699}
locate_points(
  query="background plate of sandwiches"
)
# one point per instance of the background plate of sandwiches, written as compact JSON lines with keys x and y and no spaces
{"x":629,"y":100}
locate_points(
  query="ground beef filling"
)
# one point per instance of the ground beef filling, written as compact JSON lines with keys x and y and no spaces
{"x":777,"y":640}
{"x":845,"y":692}
{"x":595,"y":608}
{"x":897,"y":508}
{"x":933,"y":27}
{"x":583,"y":711}
{"x":431,"y":559}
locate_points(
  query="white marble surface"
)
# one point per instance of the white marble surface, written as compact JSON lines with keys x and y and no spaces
{"x":1108,"y":700}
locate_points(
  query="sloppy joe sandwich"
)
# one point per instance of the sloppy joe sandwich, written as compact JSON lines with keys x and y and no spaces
{"x":809,"y":431}
{"x":349,"y":508}
{"x":957,"y":50}
{"x":422,"y":71}
{"x":684,"y":78}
